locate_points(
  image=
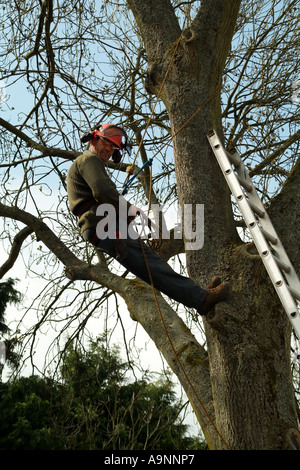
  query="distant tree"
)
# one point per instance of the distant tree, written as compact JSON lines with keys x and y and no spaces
{"x":25,"y":408}
{"x":94,"y":408}
{"x":8,"y":295}
{"x":109,"y":412}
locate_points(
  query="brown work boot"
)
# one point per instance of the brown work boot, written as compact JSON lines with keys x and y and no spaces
{"x":213,"y":296}
{"x":215,"y":282}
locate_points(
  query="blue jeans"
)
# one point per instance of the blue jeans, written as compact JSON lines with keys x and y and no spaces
{"x":179,"y":288}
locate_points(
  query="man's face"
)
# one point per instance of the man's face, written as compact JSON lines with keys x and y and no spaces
{"x":104,"y":148}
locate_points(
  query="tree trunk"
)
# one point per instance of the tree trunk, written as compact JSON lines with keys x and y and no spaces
{"x":253,"y":405}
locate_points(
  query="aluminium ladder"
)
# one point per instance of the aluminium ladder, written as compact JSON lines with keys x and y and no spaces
{"x":267,"y":242}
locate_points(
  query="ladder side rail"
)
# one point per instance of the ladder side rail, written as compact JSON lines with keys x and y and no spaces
{"x":254,"y":199}
{"x":251,"y":220}
{"x":225,"y":163}
{"x":234,"y":184}
{"x":268,"y":226}
{"x":271,"y":265}
{"x":277,"y":278}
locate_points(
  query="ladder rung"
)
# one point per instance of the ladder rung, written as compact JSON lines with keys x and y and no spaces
{"x":294,"y":293}
{"x":285,"y":267}
{"x":248,"y":186}
{"x":269,"y":237}
{"x":256,"y":209}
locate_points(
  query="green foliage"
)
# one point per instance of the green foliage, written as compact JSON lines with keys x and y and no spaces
{"x":8,"y":295}
{"x":93,"y":407}
{"x":26,"y":415}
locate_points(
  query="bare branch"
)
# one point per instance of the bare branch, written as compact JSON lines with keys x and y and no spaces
{"x":43,"y":233}
{"x":277,"y":153}
{"x":15,"y":250}
{"x":46,"y":151}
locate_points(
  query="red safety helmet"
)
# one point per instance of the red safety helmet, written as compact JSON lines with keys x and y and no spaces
{"x":110,"y":132}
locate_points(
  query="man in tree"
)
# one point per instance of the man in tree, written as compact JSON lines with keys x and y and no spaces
{"x":91,"y":193}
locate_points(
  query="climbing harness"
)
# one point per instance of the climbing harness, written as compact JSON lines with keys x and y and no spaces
{"x":268,"y":244}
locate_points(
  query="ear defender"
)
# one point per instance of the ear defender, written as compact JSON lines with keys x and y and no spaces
{"x":86,"y":137}
{"x":116,"y":156}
